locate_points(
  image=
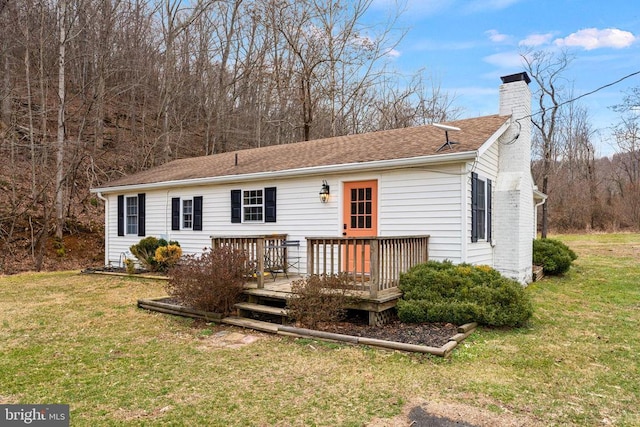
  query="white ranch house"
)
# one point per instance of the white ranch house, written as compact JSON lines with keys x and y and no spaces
{"x":473,"y":200}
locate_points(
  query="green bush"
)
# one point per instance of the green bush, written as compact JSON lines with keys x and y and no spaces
{"x":554,"y":256}
{"x":145,"y":252}
{"x":444,"y":292}
{"x":212,"y":281}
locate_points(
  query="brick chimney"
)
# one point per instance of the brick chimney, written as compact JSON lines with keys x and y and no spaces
{"x":513,"y":199}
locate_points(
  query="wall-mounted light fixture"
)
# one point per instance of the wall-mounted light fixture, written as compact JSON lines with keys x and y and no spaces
{"x":324,"y":192}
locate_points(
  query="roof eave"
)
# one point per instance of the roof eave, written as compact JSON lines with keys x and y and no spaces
{"x":290,"y":173}
{"x":496,"y":135}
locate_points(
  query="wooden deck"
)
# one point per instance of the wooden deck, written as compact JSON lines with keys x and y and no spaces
{"x":379,"y":308}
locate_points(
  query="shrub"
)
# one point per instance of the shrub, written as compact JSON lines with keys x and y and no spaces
{"x":212,"y":281}
{"x":167,"y":256}
{"x":554,"y":256}
{"x":319,"y":298}
{"x":444,"y":292}
{"x":130,"y":265}
{"x":146,"y":249}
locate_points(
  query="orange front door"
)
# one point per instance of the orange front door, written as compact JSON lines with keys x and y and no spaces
{"x":360,"y":218}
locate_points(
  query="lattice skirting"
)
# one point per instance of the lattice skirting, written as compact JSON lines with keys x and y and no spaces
{"x":381,"y":318}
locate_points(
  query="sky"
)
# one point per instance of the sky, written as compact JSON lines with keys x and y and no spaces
{"x":466,"y":45}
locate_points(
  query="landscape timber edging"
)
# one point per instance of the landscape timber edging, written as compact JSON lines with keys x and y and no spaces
{"x":156,"y":304}
{"x":444,"y":351}
{"x":133,"y":275}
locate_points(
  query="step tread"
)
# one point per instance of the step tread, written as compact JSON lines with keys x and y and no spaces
{"x":260,"y":308}
{"x":252,"y":324}
{"x":266,"y":293}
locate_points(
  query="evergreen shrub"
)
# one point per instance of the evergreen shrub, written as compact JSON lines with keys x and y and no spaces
{"x":554,"y":256}
{"x":145,"y":252}
{"x":443,"y":292}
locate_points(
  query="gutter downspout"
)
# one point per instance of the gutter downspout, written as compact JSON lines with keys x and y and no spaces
{"x":535,"y":216}
{"x":106,"y":226}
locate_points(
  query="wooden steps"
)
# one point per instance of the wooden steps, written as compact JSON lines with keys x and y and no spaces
{"x":259,"y":308}
{"x":267,"y":293}
{"x":259,"y":325}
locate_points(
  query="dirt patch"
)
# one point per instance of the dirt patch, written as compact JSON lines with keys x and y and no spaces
{"x":422,"y":413}
{"x":227,"y":339}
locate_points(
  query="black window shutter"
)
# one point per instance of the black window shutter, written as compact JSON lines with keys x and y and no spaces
{"x":236,"y":206}
{"x":175,"y":213}
{"x":488,"y":210}
{"x":120,"y":215}
{"x":474,"y":207}
{"x":141,"y":214}
{"x":197,"y":213}
{"x":270,"y":204}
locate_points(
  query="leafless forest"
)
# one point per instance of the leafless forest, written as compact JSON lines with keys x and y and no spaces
{"x":94,"y":89}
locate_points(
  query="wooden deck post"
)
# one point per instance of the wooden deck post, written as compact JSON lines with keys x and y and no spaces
{"x":260,"y":261}
{"x":374,"y":266}
{"x":310,"y":258}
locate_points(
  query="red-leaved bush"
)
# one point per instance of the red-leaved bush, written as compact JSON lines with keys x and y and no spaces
{"x":212,"y":281}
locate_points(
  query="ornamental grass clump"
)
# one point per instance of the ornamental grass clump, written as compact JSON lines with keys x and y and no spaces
{"x":444,"y":292}
{"x":212,"y":281}
{"x":554,"y":256}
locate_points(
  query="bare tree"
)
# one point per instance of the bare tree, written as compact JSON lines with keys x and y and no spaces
{"x":546,"y":68}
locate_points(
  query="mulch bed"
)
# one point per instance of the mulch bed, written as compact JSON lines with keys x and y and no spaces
{"x":428,"y":334}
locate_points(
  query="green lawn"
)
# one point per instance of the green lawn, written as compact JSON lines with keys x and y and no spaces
{"x":79,"y":339}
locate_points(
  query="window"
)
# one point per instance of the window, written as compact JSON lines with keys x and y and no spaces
{"x":187,"y":213}
{"x":132,"y":215}
{"x":252,"y":205}
{"x":480,"y":208}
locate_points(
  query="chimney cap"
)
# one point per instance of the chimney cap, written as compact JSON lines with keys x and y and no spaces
{"x":519,"y":77}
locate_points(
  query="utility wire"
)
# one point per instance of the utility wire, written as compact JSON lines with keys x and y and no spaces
{"x":583,"y":95}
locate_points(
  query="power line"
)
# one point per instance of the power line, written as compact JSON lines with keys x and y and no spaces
{"x":583,"y":95}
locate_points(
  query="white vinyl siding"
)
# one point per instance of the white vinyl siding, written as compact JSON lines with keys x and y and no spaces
{"x":423,"y":202}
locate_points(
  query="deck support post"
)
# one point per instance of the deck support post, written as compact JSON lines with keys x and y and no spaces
{"x":374,"y":265}
{"x":260,"y":262}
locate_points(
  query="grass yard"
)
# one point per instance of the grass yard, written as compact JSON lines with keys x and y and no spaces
{"x":79,"y":339}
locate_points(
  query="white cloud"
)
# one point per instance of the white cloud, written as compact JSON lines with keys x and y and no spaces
{"x":393,"y":53}
{"x":593,"y":38}
{"x":495,"y":36}
{"x":508,"y":60}
{"x":534,"y":40}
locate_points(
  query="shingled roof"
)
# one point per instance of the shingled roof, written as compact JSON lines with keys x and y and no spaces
{"x":367,"y":147}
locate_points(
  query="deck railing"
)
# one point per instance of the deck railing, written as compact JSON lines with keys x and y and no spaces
{"x":373,"y":263}
{"x":257,"y":248}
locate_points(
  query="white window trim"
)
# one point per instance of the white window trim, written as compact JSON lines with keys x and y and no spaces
{"x":245,"y":206}
{"x":484,"y":230}
{"x":182,"y":214}
{"x":130,"y":220}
